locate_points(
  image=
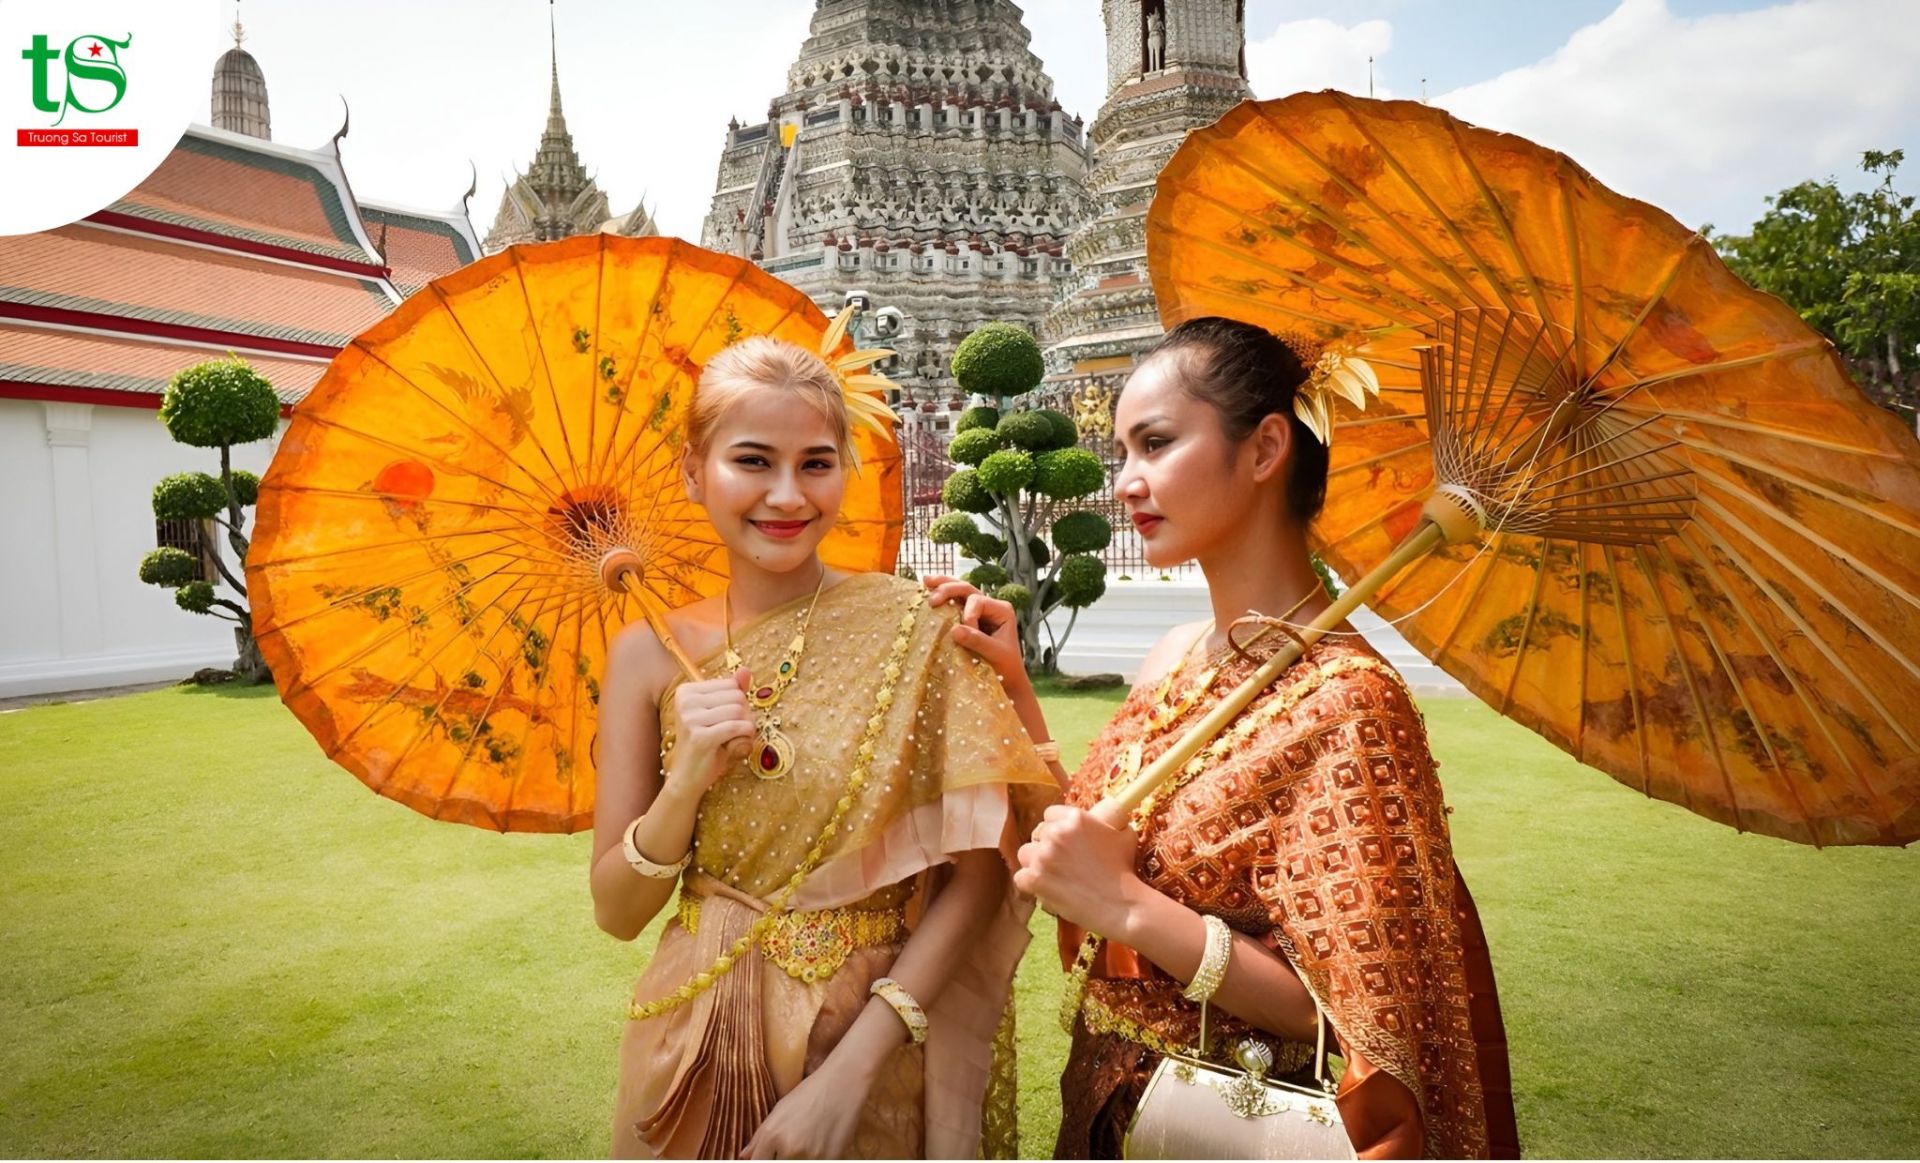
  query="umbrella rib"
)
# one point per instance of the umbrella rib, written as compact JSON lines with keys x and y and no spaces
{"x":1484,"y":388}
{"x":1433,"y":208}
{"x":1339,"y":223}
{"x":1667,"y":279}
{"x":1247,"y":256}
{"x":1466,"y":607}
{"x":375,"y":546}
{"x":423,"y":662}
{"x":593,"y":363}
{"x":545,"y":365}
{"x":1693,"y":691}
{"x":493,"y":698}
{"x":347,"y":602}
{"x":1526,"y":632}
{"x":1840,"y":499}
{"x":1787,"y":351}
{"x":1807,"y":531}
{"x":505,"y":454}
{"x":692,"y":370}
{"x":1572,"y":236}
{"x":473,"y":349}
{"x":1392,"y":221}
{"x":1817,"y":715}
{"x":543,"y":500}
{"x":1586,"y":650}
{"x":1505,"y":227}
{"x":1481,"y":438}
{"x":1388,"y":455}
{"x":1769,"y":432}
{"x":1793,"y":615}
{"x":307,"y":682}
{"x":1632,"y":683}
{"x":1739,"y":691}
{"x":1806,"y":579}
{"x":1273,"y":307}
{"x":646,"y":317}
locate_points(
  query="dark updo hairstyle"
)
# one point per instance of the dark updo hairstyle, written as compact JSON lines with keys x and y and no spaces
{"x":1247,"y":373}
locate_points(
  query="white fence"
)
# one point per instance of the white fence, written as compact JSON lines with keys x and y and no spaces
{"x":1115,"y":633}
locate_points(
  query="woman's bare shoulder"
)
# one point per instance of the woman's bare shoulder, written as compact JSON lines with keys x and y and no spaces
{"x":1167,"y":653}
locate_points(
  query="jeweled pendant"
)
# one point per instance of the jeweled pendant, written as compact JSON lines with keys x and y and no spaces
{"x":773,"y":757}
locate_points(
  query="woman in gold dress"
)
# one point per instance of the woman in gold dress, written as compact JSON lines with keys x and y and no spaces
{"x":1305,"y":853}
{"x":839,"y":804}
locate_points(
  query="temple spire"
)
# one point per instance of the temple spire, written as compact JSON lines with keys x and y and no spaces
{"x":555,"y":119}
{"x":240,"y":90}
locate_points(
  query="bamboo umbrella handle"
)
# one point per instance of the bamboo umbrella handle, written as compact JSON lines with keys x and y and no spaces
{"x":1441,"y":524}
{"x":620,"y":570}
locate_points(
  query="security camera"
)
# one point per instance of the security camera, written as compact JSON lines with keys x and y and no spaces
{"x":889,"y":322}
{"x":859,"y":301}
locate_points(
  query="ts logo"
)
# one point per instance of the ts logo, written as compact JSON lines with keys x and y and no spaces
{"x":92,"y":67}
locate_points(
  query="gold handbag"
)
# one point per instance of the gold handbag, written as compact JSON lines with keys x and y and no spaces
{"x":1194,"y":1109}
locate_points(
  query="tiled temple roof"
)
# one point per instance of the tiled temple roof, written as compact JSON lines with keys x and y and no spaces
{"x":76,"y":359}
{"x":419,"y":247}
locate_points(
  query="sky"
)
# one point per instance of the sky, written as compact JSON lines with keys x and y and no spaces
{"x":1702,"y":107}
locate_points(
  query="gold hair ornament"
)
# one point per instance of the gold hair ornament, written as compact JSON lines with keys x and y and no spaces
{"x":1338,"y":372}
{"x":865,"y":389}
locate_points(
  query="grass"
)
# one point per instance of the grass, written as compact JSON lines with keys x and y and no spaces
{"x":218,"y":945}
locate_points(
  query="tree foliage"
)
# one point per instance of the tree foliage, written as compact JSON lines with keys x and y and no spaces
{"x":998,"y":360}
{"x":219,"y":403}
{"x":1024,"y":475}
{"x":1850,"y":264}
{"x":216,"y":404}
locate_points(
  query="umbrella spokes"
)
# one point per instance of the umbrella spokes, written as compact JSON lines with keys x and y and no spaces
{"x":1540,"y":450}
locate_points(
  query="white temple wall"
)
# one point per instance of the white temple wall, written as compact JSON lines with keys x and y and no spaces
{"x":76,"y":516}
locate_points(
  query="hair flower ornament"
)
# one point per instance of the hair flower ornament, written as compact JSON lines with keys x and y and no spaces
{"x":1338,"y":372}
{"x":865,"y":389}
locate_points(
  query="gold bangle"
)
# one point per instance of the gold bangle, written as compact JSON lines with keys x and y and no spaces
{"x":1049,"y":751}
{"x":1213,"y":963}
{"x":894,"y":994}
{"x":637,"y":860}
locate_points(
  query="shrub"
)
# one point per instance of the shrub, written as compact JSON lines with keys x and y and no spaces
{"x":964,"y":493}
{"x":986,"y":577}
{"x":1007,"y":471}
{"x":998,"y":360}
{"x":1082,"y":532}
{"x":981,"y":417}
{"x":195,"y":597}
{"x":169,"y":567}
{"x":1065,"y":433}
{"x":1015,"y":595}
{"x":220,"y":402}
{"x":952,"y":529}
{"x":1068,"y":473}
{"x":974,"y":445}
{"x":1082,"y":580}
{"x":1029,"y":430}
{"x":246,"y":486}
{"x":189,"y":496}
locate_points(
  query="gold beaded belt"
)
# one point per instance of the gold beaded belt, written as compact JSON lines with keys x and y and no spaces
{"x":813,"y":946}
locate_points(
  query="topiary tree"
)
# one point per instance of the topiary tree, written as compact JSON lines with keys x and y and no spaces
{"x":216,"y":404}
{"x":1024,"y":471}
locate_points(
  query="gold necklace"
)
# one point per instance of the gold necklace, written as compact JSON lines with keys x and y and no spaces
{"x":773,"y":759}
{"x":1165,"y":711}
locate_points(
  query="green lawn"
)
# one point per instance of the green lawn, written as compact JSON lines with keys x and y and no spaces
{"x":217,"y":945}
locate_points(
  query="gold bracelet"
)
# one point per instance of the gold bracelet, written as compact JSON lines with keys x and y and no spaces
{"x":1213,"y":963}
{"x":1049,"y":751}
{"x":894,"y":994}
{"x":637,"y":860}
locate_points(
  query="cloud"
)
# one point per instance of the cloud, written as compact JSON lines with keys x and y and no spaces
{"x":1705,"y":116}
{"x":1309,"y":55}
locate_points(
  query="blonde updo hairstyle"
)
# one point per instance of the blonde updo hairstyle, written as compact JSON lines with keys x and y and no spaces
{"x":763,"y":363}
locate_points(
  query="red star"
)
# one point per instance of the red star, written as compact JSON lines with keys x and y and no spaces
{"x":93,"y":50}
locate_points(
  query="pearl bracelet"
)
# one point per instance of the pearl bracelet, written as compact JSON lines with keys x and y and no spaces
{"x":1213,"y":963}
{"x":638,"y":861}
{"x":1049,"y":751}
{"x":896,"y":995}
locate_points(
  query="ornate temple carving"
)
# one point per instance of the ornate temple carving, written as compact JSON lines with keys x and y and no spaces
{"x":918,"y":155}
{"x":555,"y":197}
{"x":1172,"y":66}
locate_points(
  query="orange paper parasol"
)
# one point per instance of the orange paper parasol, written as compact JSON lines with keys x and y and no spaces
{"x":1680,"y":543}
{"x":483,"y":489}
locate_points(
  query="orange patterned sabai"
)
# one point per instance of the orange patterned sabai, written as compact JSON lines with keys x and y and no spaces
{"x":1314,"y":823}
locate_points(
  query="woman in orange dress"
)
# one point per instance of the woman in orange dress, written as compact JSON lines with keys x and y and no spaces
{"x":1305,"y":854}
{"x":838,"y":802}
